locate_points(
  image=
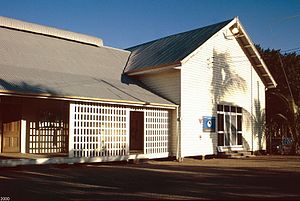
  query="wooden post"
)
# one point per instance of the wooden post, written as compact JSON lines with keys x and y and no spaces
{"x":71,"y":129}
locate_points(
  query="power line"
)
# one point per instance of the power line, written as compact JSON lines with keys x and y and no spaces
{"x":296,"y":49}
{"x":290,"y":17}
{"x":286,"y":79}
{"x":284,"y":19}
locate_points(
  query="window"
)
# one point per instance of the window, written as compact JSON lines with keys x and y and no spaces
{"x":229,"y":125}
{"x":220,"y":129}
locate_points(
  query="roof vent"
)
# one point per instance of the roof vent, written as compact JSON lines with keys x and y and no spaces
{"x":49,"y":31}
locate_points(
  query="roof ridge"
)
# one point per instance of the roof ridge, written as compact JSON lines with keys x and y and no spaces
{"x":178,"y":34}
{"x":49,"y":31}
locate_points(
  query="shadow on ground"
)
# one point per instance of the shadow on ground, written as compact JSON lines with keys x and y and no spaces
{"x":193,"y":179}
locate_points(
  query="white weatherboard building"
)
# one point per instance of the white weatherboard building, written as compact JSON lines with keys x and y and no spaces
{"x":217,"y":78}
{"x":65,"y":97}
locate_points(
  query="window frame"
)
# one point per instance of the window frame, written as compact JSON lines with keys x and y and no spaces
{"x":231,"y":111}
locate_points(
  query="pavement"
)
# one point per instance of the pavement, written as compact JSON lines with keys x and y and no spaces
{"x":262,"y":177}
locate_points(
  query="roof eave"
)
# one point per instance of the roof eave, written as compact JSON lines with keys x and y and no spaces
{"x":253,"y":55}
{"x":86,"y":99}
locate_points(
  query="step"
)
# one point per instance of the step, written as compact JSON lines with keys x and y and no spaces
{"x":235,"y":154}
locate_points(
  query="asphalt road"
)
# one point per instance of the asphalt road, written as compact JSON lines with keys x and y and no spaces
{"x":267,"y":177}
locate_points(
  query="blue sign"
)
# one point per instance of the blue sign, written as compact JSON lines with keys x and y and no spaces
{"x":209,"y":124}
{"x":287,"y":141}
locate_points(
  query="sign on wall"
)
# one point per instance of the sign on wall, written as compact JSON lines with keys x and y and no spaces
{"x":209,"y":124}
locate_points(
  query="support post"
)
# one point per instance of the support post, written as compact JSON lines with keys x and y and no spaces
{"x":71,"y":129}
{"x":23,"y":136}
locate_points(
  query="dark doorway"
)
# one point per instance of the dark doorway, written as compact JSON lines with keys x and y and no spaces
{"x":11,"y":128}
{"x":136,"y":143}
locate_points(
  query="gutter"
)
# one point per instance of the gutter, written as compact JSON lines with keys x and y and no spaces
{"x":90,"y":100}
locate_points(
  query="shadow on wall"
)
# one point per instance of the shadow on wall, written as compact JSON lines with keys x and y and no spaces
{"x":24,"y":87}
{"x":257,"y":122}
{"x":225,"y":81}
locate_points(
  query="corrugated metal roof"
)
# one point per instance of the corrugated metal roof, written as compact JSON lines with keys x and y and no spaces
{"x":170,"y":49}
{"x":38,"y":64}
{"x":50,"y":31}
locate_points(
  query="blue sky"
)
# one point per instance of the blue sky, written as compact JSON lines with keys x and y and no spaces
{"x":124,"y":23}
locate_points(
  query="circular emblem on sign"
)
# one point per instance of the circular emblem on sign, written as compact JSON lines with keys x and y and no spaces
{"x":208,"y":123}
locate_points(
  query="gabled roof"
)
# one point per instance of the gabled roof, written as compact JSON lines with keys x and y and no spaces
{"x":171,"y":49}
{"x":36,"y":64}
{"x":252,"y":53}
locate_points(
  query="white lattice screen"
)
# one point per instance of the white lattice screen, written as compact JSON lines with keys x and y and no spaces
{"x":157,"y":131}
{"x":102,"y":130}
{"x":99,"y":130}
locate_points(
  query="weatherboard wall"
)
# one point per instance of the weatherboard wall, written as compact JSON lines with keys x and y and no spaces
{"x":219,"y":72}
{"x":165,"y":84}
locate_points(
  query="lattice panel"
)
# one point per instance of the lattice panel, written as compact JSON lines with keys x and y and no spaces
{"x":48,"y":137}
{"x":99,"y":130}
{"x":157,"y":131}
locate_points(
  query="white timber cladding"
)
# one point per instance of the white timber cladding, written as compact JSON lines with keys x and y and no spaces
{"x":219,"y":72}
{"x":102,"y":130}
{"x":258,"y":113}
{"x":165,"y":84}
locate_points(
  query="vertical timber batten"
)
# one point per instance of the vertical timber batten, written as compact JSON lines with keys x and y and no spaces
{"x":127,"y":130}
{"x":71,"y":131}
